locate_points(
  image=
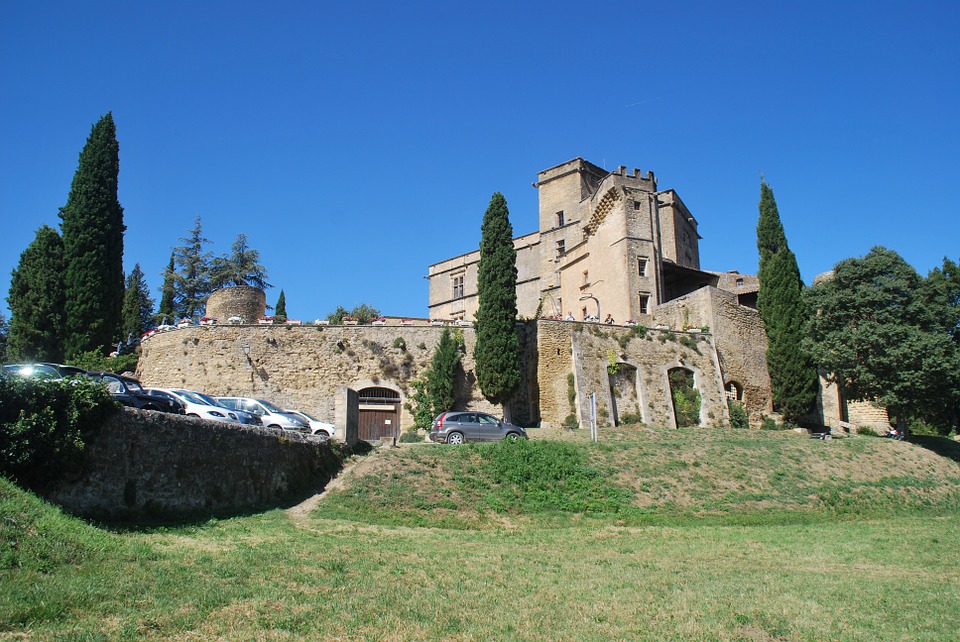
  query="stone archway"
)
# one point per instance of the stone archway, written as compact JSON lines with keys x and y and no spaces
{"x":627,"y":406}
{"x":687,"y":403}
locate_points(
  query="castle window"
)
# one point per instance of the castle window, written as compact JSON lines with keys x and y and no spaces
{"x":642,"y":267}
{"x":636,"y":205}
{"x":586,"y":279}
{"x":561,"y":248}
{"x":644,"y":304}
{"x":739,"y":283}
{"x":560,"y":219}
{"x":458,"y":287}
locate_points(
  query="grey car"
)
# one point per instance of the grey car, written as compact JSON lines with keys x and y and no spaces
{"x":459,"y":427}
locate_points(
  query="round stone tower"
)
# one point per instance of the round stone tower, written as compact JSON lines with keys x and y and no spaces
{"x":237,"y":301}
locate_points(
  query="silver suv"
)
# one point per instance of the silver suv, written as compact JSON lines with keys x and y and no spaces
{"x":459,"y":427}
{"x":270,"y":415}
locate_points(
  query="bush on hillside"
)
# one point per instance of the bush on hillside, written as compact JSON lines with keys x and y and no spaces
{"x":45,"y":426}
{"x":738,"y":414}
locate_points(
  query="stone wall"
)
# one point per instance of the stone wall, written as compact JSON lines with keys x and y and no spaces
{"x":740,"y":340}
{"x":240,"y":301}
{"x":308,"y":367}
{"x":151,"y":464}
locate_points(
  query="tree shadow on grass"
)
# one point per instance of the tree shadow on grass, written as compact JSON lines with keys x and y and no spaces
{"x":942,"y":446}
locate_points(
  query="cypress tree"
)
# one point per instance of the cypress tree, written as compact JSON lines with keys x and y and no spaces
{"x":793,"y":375}
{"x":192,"y":276}
{"x":497,"y":352}
{"x":167,"y":294}
{"x":442,"y":376}
{"x":137,"y":304}
{"x":4,"y":336}
{"x":280,"y":310}
{"x":36,"y":300}
{"x":92,"y":227}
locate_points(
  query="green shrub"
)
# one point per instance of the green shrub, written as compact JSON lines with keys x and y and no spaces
{"x":769,"y":423}
{"x":571,"y":423}
{"x":686,"y":398}
{"x":94,"y":360}
{"x":400,"y":344}
{"x":868,"y":431}
{"x":411,"y":436}
{"x":631,"y":418}
{"x":45,"y":426}
{"x":738,"y":414}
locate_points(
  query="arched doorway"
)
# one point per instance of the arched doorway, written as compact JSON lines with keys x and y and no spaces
{"x":379,"y":414}
{"x":686,"y":397}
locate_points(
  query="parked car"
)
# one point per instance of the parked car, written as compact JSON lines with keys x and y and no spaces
{"x":246,"y":418}
{"x":459,"y":427}
{"x":38,"y":371}
{"x":65,"y":370}
{"x":194,"y":406}
{"x":317,"y":427}
{"x":270,"y":415}
{"x":129,"y":392}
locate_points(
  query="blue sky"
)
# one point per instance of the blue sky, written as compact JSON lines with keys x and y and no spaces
{"x":356,"y":143}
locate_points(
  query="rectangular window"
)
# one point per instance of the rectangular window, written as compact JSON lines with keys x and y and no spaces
{"x":586,"y":278}
{"x":644,"y":304}
{"x":458,"y":287}
{"x":642,"y":267}
{"x":636,"y":205}
{"x":561,"y":248}
{"x":560,"y":219}
{"x":739,"y":283}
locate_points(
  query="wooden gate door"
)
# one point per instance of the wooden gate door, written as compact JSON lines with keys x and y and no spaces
{"x":379,"y":414}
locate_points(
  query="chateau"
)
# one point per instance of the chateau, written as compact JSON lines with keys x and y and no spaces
{"x":608,"y":243}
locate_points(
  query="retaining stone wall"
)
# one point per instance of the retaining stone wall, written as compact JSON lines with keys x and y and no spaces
{"x":152,"y":464}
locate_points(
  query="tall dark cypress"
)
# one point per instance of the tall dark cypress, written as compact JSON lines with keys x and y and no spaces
{"x":793,"y":375}
{"x":92,"y":227}
{"x":280,"y":310}
{"x":37,"y":300}
{"x":497,"y":352}
{"x":167,"y":294}
{"x":137,"y":305}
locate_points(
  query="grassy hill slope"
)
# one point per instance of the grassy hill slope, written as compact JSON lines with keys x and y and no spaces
{"x":641,"y":475}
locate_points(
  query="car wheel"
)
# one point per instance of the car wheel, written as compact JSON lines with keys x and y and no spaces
{"x":322,"y":433}
{"x":274,"y":427}
{"x":455,"y":438}
{"x":512,"y":436}
{"x":193,"y":414}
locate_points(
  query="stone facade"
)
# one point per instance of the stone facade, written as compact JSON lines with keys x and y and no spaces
{"x":309,"y":367}
{"x":608,"y":243}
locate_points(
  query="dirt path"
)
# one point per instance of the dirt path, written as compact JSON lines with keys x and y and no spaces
{"x":356,"y":466}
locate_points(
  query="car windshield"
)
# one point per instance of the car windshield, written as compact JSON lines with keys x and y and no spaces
{"x":207,"y":399}
{"x":133,"y":385}
{"x":269,"y":406}
{"x":33,"y":371}
{"x":192,"y":398}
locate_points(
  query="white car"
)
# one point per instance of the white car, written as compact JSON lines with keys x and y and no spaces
{"x":194,"y":406}
{"x":317,"y":427}
{"x":270,"y":415}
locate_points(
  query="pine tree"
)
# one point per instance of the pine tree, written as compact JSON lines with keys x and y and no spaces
{"x":137,"y":304}
{"x":192,"y":274}
{"x":241,"y":267}
{"x":92,"y":227}
{"x":36,"y":300}
{"x":793,"y":375}
{"x":167,"y":295}
{"x":497,"y":352}
{"x":280,"y":311}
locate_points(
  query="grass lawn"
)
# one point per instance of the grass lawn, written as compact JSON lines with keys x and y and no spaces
{"x":652,"y":535}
